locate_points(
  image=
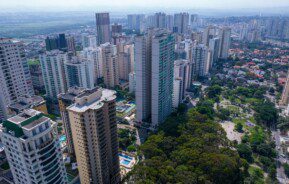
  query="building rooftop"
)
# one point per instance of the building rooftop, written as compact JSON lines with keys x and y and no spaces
{"x":92,"y":99}
{"x":27,"y":101}
{"x":71,"y":93}
{"x":26,"y":120}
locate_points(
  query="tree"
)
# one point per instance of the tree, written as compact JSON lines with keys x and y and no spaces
{"x":239,"y":127}
{"x":224,"y":114}
{"x":131,"y":148}
{"x":245,"y":152}
{"x":199,"y":153}
{"x":266,"y":114}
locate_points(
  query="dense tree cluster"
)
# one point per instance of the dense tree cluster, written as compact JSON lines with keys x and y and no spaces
{"x":194,"y":149}
{"x":126,"y":139}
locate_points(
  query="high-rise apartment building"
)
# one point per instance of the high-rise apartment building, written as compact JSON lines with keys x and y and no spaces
{"x":181,"y":22}
{"x":159,"y":20}
{"x":201,"y":61}
{"x":209,"y":33}
{"x":52,"y":65}
{"x":154,"y":63}
{"x":194,"y":21}
{"x":94,"y":131}
{"x":64,"y":101}
{"x":214,"y":46}
{"x":95,"y":55}
{"x":56,"y":42}
{"x":88,"y":41}
{"x":70,"y":41}
{"x":110,"y":65}
{"x":79,"y":72}
{"x":116,"y":29}
{"x":162,"y":77}
{"x":36,"y":76}
{"x":225,"y":42}
{"x":132,"y":82}
{"x":182,"y":80}
{"x":102,"y":27}
{"x":125,"y":60}
{"x":32,"y":149}
{"x":170,"y":22}
{"x":285,"y":94}
{"x":136,"y":22}
{"x":15,"y":79}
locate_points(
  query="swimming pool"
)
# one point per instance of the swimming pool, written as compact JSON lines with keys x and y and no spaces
{"x":62,"y":138}
{"x":125,"y":162}
{"x":125,"y":156}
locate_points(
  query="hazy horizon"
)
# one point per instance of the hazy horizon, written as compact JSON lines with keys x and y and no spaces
{"x":142,"y":5}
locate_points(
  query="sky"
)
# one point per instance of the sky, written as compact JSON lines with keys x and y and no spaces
{"x":123,"y":4}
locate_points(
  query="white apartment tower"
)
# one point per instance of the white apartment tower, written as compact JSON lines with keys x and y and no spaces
{"x":32,"y":149}
{"x":52,"y":65}
{"x":79,"y":72}
{"x":15,"y":79}
{"x":94,"y":55}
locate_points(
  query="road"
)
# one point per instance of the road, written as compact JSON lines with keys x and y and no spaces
{"x":280,"y":170}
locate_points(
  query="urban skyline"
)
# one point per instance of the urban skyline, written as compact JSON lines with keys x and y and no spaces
{"x":160,"y":97}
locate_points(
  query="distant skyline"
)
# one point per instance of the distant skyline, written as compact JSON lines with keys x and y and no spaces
{"x":147,"y":4}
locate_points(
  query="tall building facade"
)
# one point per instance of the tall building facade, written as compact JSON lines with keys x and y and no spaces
{"x":36,"y":76}
{"x":214,"y":46}
{"x":94,"y":131}
{"x":102,"y":28}
{"x":71,"y":45}
{"x":125,"y":60}
{"x":52,"y":65}
{"x":15,"y":79}
{"x":201,"y":61}
{"x":64,"y":101}
{"x":181,"y":22}
{"x":143,"y":77}
{"x":79,"y":72}
{"x":32,"y":149}
{"x":159,"y":20}
{"x":154,"y":76}
{"x":136,"y":22}
{"x":95,"y":55}
{"x":225,"y":42}
{"x":110,"y":65}
{"x":162,"y":77}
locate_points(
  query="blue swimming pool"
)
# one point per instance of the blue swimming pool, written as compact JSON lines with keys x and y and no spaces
{"x":62,"y":138}
{"x":125,"y":162}
{"x":125,"y":156}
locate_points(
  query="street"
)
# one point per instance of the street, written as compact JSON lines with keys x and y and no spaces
{"x":281,"y":158}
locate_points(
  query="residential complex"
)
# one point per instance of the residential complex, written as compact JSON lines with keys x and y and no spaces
{"x":32,"y":148}
{"x":94,"y":131}
{"x":52,"y":64}
{"x":64,"y":101}
{"x":79,"y":72}
{"x":15,"y":79}
{"x":110,"y":68}
{"x":154,"y":64}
